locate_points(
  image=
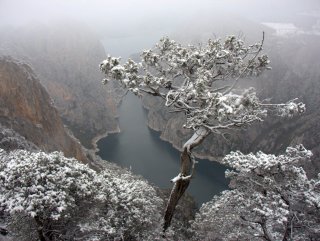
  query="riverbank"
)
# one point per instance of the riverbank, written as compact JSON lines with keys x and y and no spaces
{"x":97,"y":138}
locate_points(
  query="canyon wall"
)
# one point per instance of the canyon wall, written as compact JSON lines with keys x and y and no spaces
{"x":26,"y":108}
{"x":66,"y":56}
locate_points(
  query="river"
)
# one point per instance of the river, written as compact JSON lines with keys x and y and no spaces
{"x":140,"y":149}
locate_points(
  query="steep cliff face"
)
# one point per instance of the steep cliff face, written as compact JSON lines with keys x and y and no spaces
{"x":26,"y":107}
{"x":66,"y":58}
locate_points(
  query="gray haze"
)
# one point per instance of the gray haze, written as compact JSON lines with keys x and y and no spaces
{"x":127,"y":26}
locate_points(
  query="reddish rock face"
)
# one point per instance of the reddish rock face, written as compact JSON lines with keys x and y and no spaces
{"x":26,"y":107}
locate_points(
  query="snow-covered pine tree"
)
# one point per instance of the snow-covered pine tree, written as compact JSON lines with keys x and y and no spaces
{"x":271,"y":199}
{"x":44,"y":191}
{"x":201,"y":82}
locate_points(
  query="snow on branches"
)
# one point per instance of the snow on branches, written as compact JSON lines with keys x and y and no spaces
{"x":131,"y":209}
{"x":43,"y":185}
{"x":53,"y":192}
{"x":261,"y":161}
{"x":194,"y":80}
{"x":272,"y":199}
{"x":200,"y":81}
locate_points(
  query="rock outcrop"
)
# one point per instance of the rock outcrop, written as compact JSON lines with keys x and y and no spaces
{"x":26,"y":107}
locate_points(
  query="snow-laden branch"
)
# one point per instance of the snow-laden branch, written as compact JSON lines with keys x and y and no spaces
{"x":180,"y":177}
{"x":190,"y":80}
{"x":250,"y":65}
{"x":271,"y":198}
{"x":196,"y":139}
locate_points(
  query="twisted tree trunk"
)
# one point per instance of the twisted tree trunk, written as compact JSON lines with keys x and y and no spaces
{"x":179,"y":187}
{"x":181,"y":182}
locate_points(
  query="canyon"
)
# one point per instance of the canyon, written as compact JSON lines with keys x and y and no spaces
{"x":65,"y":55}
{"x":66,"y":60}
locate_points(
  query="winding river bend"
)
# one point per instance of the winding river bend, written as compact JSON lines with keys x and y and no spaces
{"x":140,"y":149}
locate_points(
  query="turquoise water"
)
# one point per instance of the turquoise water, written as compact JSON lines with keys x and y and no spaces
{"x":140,"y":149}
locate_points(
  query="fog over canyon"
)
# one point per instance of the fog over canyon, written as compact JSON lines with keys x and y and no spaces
{"x":52,"y":99}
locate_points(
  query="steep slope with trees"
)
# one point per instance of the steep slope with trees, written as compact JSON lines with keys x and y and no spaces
{"x":295,"y":73}
{"x":11,"y":140}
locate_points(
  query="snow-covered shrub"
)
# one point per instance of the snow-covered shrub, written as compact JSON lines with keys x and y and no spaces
{"x":51,"y":197}
{"x":131,"y":210}
{"x":45,"y":187}
{"x":272,"y":199}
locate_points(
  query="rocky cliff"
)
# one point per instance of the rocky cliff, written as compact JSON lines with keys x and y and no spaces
{"x":26,"y":107}
{"x":66,"y":58}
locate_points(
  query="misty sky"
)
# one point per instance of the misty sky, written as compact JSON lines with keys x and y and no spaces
{"x":142,"y":22}
{"x":147,"y":15}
